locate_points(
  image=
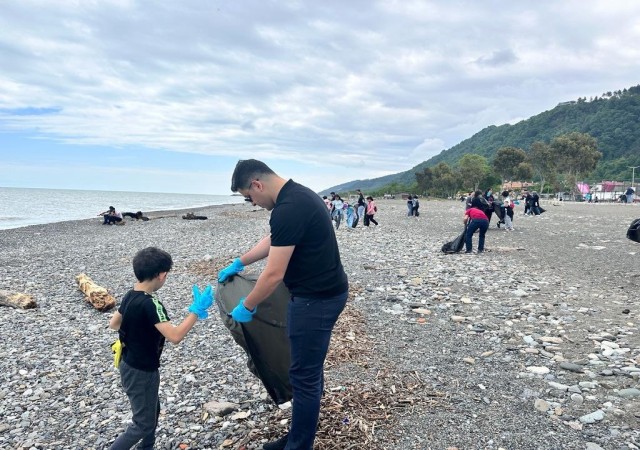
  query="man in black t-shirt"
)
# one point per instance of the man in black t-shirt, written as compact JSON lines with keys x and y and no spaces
{"x":302,"y":251}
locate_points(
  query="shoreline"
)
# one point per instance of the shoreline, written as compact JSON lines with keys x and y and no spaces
{"x":152,"y":215}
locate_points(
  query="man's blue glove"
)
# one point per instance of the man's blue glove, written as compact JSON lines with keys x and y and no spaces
{"x":241,"y":314}
{"x":201,"y":301}
{"x":232,"y":269}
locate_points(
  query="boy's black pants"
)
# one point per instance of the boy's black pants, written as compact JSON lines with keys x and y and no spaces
{"x":142,"y":389}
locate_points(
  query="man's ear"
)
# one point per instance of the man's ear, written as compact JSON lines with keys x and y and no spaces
{"x":162,"y":276}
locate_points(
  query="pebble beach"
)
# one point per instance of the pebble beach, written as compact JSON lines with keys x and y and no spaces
{"x":534,"y":344}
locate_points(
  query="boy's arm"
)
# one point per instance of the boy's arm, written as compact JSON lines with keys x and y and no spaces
{"x":115,"y":321}
{"x":175,"y":334}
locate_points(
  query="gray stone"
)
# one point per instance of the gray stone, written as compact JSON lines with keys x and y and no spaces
{"x":571,"y":367}
{"x":629,"y":393}
{"x":595,"y":416}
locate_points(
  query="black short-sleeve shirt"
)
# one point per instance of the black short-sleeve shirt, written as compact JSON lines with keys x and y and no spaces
{"x":300,"y":218}
{"x":143,"y":343}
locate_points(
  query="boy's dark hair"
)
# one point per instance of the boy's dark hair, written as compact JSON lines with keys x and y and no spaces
{"x":505,"y":193}
{"x":246,"y":171}
{"x":151,"y":262}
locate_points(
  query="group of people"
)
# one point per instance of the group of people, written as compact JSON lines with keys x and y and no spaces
{"x":532,"y":203}
{"x":479,"y":208}
{"x":364,"y":208}
{"x":111,"y":216}
{"x":413,"y":206}
{"x":302,"y":252}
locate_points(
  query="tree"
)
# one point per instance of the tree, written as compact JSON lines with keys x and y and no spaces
{"x":575,"y":154}
{"x":424,"y":179}
{"x":506,"y":161}
{"x":523,"y":171}
{"x":443,"y":182}
{"x":542,"y":162}
{"x":472,"y":169}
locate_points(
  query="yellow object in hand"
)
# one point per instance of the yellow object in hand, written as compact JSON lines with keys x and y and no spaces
{"x":116,"y":348}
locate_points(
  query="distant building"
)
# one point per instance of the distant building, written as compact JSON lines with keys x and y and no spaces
{"x":516,"y":185}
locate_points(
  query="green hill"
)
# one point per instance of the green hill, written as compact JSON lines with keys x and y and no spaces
{"x":613,"y":119}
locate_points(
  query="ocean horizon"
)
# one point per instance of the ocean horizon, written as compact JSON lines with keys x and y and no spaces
{"x":21,"y":207}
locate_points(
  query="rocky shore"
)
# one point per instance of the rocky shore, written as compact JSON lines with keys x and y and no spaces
{"x":534,"y":344}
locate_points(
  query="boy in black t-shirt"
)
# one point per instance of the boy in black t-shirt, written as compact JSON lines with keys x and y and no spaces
{"x":143,"y":324}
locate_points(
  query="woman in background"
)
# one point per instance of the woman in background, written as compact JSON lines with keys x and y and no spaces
{"x":371,"y":210}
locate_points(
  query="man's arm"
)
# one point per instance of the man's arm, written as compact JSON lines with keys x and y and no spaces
{"x":115,"y":321}
{"x":175,"y":334}
{"x":271,"y":276}
{"x":260,"y":251}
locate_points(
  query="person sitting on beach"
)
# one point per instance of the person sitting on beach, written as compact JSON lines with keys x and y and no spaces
{"x":111,"y":216}
{"x":143,"y":325}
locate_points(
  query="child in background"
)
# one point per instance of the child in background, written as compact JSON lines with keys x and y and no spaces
{"x":143,"y":325}
{"x":507,"y":204}
{"x":371,"y":210}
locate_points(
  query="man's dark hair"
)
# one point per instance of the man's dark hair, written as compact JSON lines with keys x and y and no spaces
{"x":246,"y":171}
{"x":151,"y":262}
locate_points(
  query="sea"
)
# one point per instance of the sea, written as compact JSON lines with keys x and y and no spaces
{"x":21,"y":207}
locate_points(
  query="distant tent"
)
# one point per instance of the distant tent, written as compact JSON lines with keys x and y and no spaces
{"x":583,"y":188}
{"x":608,"y":186}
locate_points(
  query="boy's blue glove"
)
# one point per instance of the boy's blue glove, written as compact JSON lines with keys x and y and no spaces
{"x":232,"y":269}
{"x":241,"y":314}
{"x":201,"y":301}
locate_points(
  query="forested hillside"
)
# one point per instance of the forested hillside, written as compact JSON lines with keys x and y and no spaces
{"x":613,"y":119}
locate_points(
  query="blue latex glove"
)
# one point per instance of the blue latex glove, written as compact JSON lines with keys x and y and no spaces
{"x":232,"y":269}
{"x":241,"y":314}
{"x":201,"y":301}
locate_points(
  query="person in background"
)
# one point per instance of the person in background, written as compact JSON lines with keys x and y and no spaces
{"x":507,"y":205}
{"x":535,"y":203}
{"x":143,"y":325}
{"x":361,"y":205}
{"x":327,"y":203}
{"x":301,"y":250}
{"x":338,"y":210}
{"x":111,"y":216}
{"x":410,"y":205}
{"x":488,"y":196}
{"x":475,"y":219}
{"x":415,"y":206}
{"x":370,"y":212}
{"x":528,"y":201}
{"x":467,"y":200}
{"x":630,"y":194}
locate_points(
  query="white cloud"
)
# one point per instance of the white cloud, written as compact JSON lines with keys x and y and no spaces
{"x":382,"y":85}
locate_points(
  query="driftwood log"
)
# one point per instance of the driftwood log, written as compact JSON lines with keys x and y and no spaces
{"x":17,"y":300}
{"x":192,"y":216}
{"x":94,"y":294}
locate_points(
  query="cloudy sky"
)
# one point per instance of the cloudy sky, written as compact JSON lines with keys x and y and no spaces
{"x":167,"y":96}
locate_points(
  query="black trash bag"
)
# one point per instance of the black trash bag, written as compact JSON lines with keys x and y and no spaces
{"x":456,"y":245}
{"x":633,"y":232}
{"x":541,"y":209}
{"x":499,"y":211}
{"x":264,"y":339}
